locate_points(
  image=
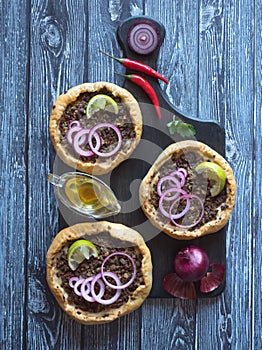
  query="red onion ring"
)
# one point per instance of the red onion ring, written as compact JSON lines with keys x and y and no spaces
{"x":163,"y":197}
{"x":121,"y":286}
{"x":72,"y":281}
{"x":74,"y":123}
{"x":70,"y":135}
{"x":187,"y":196}
{"x":86,"y":291}
{"x":76,"y":143}
{"x":92,"y":134}
{"x":180,"y":175}
{"x":183,"y":170}
{"x":166,"y":178}
{"x":97,"y":298}
{"x":77,"y":285}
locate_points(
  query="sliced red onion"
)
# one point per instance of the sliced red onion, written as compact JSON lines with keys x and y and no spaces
{"x":187,"y":196}
{"x":70,"y":135}
{"x":86,"y":289}
{"x":182,"y":213}
{"x":77,"y":143}
{"x":213,"y":279}
{"x":165,"y":198}
{"x":95,"y":149}
{"x":97,"y":297}
{"x":183,"y":170}
{"x":77,"y":285}
{"x":143,"y":37}
{"x":180,"y":175}
{"x":167,"y":178}
{"x":175,"y":286}
{"x":72,"y":281}
{"x":74,"y":123}
{"x":104,"y":273}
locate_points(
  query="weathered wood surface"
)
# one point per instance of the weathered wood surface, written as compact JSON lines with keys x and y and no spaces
{"x":212,"y":56}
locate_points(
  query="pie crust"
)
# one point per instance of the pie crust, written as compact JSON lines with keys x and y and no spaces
{"x":102,"y":166}
{"x":116,"y":231}
{"x":150,"y":179}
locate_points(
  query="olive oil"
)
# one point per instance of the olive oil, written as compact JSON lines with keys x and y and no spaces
{"x":85,"y":194}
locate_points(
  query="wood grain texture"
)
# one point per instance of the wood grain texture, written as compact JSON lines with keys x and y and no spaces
{"x":177,"y":62}
{"x":226,"y":92}
{"x":56,"y":31}
{"x":13,"y":156}
{"x":212,"y":56}
{"x":257,"y":190}
{"x":177,"y":58}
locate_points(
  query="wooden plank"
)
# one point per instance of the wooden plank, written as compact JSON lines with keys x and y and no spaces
{"x":102,"y":23}
{"x":58,"y":38}
{"x":169,"y":324}
{"x":257,"y":192}
{"x":226,"y":94}
{"x":177,"y":57}
{"x":13,"y":131}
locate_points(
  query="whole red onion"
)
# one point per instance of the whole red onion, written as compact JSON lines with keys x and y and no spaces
{"x":191,"y":263}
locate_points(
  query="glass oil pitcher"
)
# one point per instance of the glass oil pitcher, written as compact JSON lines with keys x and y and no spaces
{"x":85,"y":194}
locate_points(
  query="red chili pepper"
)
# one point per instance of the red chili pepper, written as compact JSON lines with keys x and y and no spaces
{"x":144,"y":84}
{"x":139,"y":66}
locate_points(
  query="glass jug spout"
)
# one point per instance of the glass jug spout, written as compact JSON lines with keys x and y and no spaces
{"x":55,"y":180}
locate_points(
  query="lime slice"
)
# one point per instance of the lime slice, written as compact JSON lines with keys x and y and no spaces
{"x":79,"y":251}
{"x":99,"y":102}
{"x":214,"y":173}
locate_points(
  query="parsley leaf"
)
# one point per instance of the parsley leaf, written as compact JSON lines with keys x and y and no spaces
{"x":176,"y":126}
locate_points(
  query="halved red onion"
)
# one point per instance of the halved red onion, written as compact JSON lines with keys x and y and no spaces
{"x":97,"y":297}
{"x":77,"y":143}
{"x":143,"y":37}
{"x":72,"y":281}
{"x":77,"y":285}
{"x":175,"y":286}
{"x":187,"y":196}
{"x":167,"y":178}
{"x":164,"y":197}
{"x":70,"y":135}
{"x":92,"y":134}
{"x":86,"y":289}
{"x":104,"y":273}
{"x":213,"y":279}
{"x":180,"y":175}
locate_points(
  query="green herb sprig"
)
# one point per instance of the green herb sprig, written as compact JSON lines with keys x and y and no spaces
{"x":176,"y":126}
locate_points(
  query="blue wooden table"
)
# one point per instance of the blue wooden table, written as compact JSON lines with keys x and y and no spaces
{"x":212,"y":57}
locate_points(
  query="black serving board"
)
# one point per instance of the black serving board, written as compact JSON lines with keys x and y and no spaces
{"x":125,"y":179}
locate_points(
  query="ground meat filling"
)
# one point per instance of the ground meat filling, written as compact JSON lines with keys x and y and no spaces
{"x":195,"y":184}
{"x":121,"y":266}
{"x":77,"y":111}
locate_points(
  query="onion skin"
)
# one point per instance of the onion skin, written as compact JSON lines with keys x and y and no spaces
{"x":191,"y":263}
{"x":213,"y":279}
{"x":175,"y":286}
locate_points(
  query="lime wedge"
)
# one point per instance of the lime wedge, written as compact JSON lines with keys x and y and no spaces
{"x":79,"y":251}
{"x":99,"y":102}
{"x":214,"y":173}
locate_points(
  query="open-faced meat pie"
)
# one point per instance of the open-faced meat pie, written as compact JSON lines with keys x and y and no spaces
{"x":109,"y":239}
{"x":72,"y":106}
{"x":199,"y":210}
